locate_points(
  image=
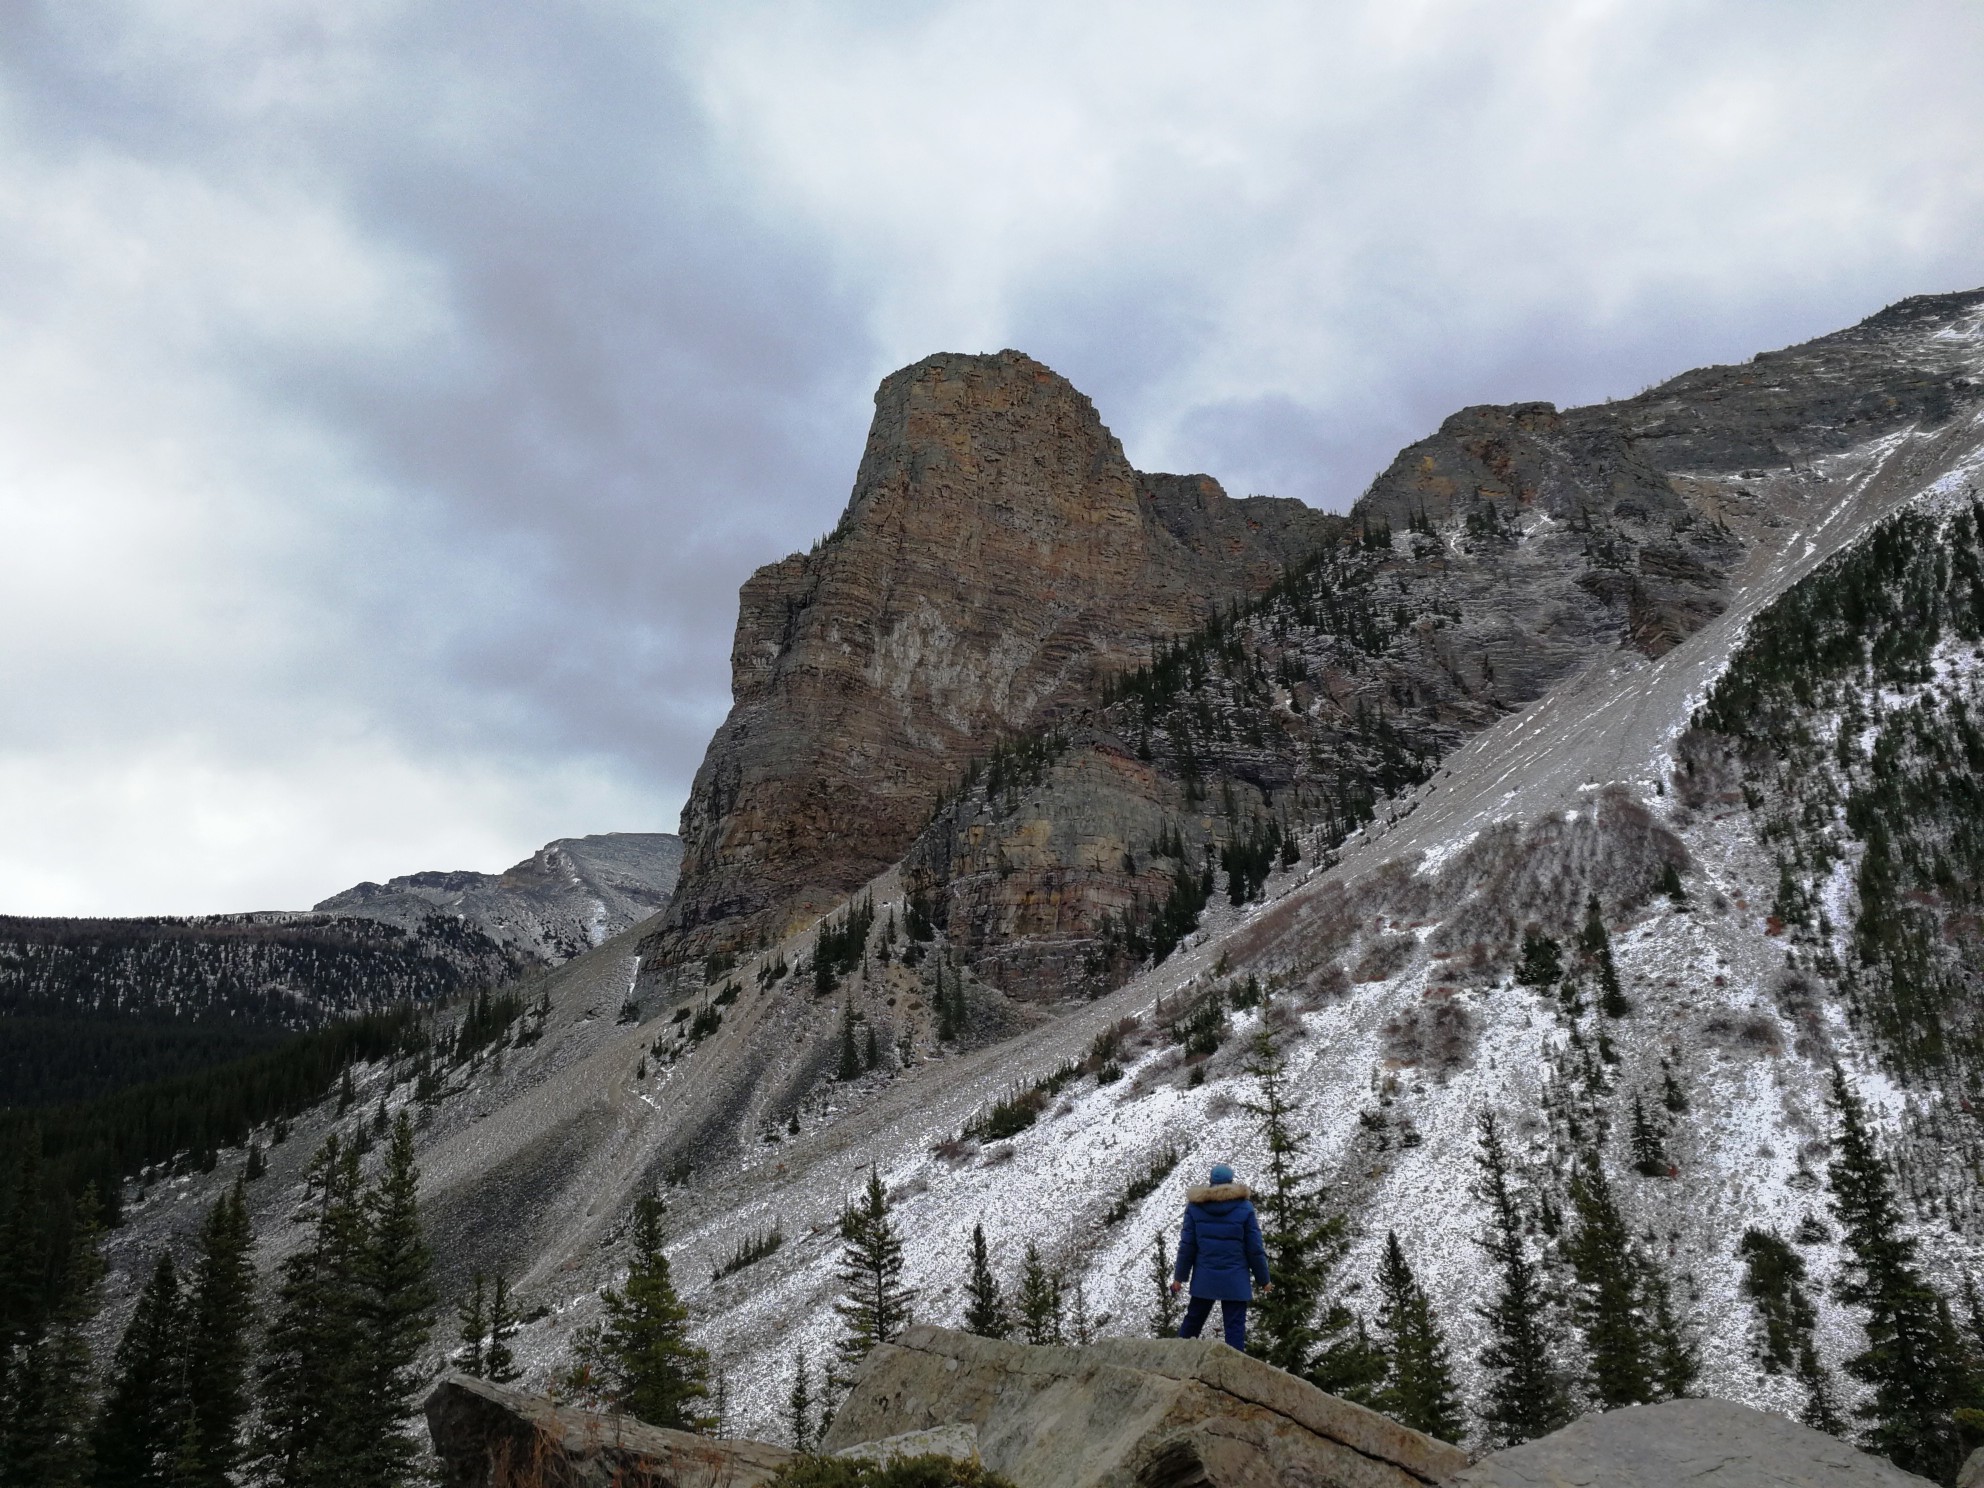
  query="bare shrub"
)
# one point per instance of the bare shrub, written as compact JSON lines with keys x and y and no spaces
{"x":1744,"y":1033}
{"x":1437,"y":1034}
{"x":955,"y":1149}
{"x":1384,"y":958}
{"x":1323,"y":985}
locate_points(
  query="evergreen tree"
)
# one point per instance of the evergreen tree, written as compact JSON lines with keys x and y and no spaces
{"x":1677,"y":1360}
{"x":1418,"y":1387}
{"x":985,"y":1310}
{"x":1671,"y":1094}
{"x":1526,"y":1397}
{"x":1774,"y":1281}
{"x":850,"y":1057}
{"x":1302,"y":1328}
{"x":1913,"y":1366}
{"x":220,"y":1320}
{"x":50,"y":1387}
{"x":144,"y":1411}
{"x":653,"y":1370}
{"x":398,"y":1310}
{"x":473,"y":1315}
{"x":1609,"y":1302}
{"x":499,"y":1360}
{"x":1821,"y":1411}
{"x":1164,"y":1303}
{"x":1649,"y":1148}
{"x":1038,"y":1301}
{"x":1542,"y":961}
{"x":874,"y":1305}
{"x":1081,"y":1323}
{"x":799,"y":1404}
{"x":311,"y":1373}
{"x":1598,"y":945}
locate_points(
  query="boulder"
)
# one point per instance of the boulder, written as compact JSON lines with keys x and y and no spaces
{"x":1131,"y":1413}
{"x":490,"y":1436}
{"x":1685,"y":1442}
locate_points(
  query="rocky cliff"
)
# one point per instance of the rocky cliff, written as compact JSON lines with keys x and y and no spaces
{"x":998,"y":558}
{"x":1488,"y":563}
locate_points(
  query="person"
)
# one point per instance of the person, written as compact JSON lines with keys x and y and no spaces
{"x":1221,"y":1254}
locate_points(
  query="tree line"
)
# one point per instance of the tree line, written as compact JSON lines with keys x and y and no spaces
{"x":211,"y":1384}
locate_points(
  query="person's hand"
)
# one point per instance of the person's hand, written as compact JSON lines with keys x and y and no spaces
{"x":1176,"y":1287}
{"x":1266,"y":1287}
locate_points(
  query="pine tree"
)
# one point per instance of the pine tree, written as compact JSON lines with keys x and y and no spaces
{"x":1081,"y":1323}
{"x":655,"y":1372}
{"x":875,"y":1305}
{"x":473,"y":1315}
{"x":850,"y":1057}
{"x":1164,"y":1308}
{"x":1677,"y":1360}
{"x":50,"y":1396}
{"x":1912,"y":1365}
{"x":1542,"y":961}
{"x":1418,"y":1387}
{"x":311,"y":1373}
{"x":1302,"y":1329}
{"x":871,"y":1054}
{"x":1039,"y":1299}
{"x":144,"y":1412}
{"x":1610,"y":1302}
{"x":499,"y":1360}
{"x":1526,"y":1397}
{"x":1821,"y":1411}
{"x":799,"y":1404}
{"x":1649,"y":1149}
{"x":220,"y":1308}
{"x":1598,"y":945}
{"x":398,"y":1310}
{"x":985,"y":1310}
{"x":1671,"y":1094}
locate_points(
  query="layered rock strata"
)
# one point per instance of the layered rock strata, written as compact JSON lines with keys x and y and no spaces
{"x":998,"y":557}
{"x":1483,"y":567}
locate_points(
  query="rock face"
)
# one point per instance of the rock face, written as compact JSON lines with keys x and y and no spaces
{"x":1486,"y":565}
{"x":998,"y":557}
{"x":490,"y":1436}
{"x":1681,"y":1444}
{"x":1122,"y":1412}
{"x":567,"y":897}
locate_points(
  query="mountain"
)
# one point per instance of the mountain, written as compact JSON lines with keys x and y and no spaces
{"x":566,"y":897}
{"x":998,"y":558}
{"x":89,"y":1006}
{"x":1683,"y":686}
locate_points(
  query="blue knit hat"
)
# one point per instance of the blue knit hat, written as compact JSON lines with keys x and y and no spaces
{"x":1221,"y":1173}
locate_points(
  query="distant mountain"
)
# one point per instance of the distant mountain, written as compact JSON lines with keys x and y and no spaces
{"x":89,"y":1006}
{"x":567,"y":897}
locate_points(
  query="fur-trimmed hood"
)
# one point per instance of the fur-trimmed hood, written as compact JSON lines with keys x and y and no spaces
{"x":1217,"y":1193}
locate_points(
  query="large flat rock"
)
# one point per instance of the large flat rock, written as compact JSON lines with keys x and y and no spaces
{"x":1686,"y":1444}
{"x":490,"y":1436}
{"x":1132,"y":1413}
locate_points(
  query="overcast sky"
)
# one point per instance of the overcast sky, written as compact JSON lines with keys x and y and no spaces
{"x":393,"y":393}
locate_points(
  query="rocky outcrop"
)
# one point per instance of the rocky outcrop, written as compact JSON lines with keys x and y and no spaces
{"x":490,"y":1436}
{"x":1683,"y":1444}
{"x":1122,"y":1412}
{"x":565,"y":898}
{"x":1486,"y":564}
{"x":998,"y":557}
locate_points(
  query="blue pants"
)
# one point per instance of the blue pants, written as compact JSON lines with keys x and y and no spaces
{"x":1232,"y":1317}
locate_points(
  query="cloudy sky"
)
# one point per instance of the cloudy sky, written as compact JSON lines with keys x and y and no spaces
{"x":393,"y":393}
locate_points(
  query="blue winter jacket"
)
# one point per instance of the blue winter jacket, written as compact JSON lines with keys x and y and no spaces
{"x":1220,"y":1249}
